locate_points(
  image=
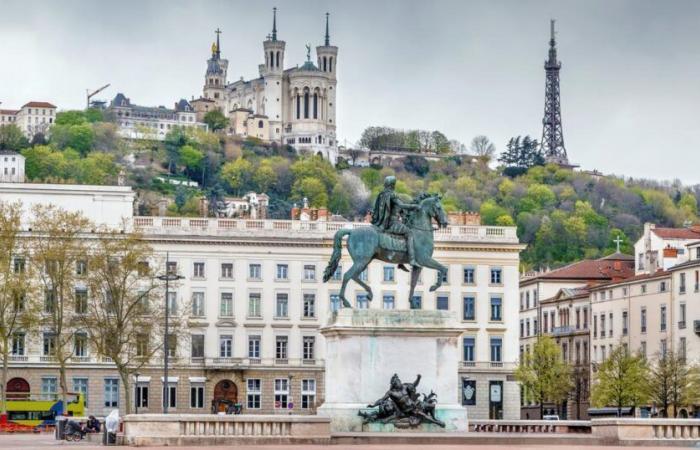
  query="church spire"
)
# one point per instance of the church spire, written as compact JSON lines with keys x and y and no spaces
{"x":218,"y":45}
{"x":274,"y":23}
{"x":328,"y":37}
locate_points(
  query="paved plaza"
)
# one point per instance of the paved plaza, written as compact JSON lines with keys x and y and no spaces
{"x":46,"y":441}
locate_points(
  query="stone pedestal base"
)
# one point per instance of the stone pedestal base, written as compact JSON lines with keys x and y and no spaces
{"x":364,"y":348}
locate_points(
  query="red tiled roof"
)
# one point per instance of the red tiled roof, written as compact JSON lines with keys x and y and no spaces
{"x":643,"y":276}
{"x":591,"y":269}
{"x":38,"y":105}
{"x":8,"y":111}
{"x":676,"y":233}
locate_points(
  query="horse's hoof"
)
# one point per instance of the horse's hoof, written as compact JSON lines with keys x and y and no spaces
{"x":346,"y":304}
{"x":434,"y":288}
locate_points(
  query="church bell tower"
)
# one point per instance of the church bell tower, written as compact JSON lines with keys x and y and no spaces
{"x":215,"y":76}
{"x":272,"y":72}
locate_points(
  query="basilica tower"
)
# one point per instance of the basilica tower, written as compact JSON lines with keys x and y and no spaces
{"x":328,"y":63}
{"x":215,"y":77}
{"x":272,"y":73}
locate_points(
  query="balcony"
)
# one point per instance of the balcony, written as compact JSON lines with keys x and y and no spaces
{"x":80,"y":359}
{"x":488,"y":365}
{"x":19,"y":358}
{"x":566,"y":329}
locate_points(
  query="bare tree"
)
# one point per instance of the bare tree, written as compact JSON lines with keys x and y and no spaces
{"x":57,"y":253}
{"x":482,"y":148}
{"x":18,"y":305}
{"x":125,"y":312}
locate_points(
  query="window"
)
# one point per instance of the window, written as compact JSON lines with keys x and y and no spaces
{"x":197,"y":395}
{"x":18,"y":344}
{"x":643,"y":320}
{"x":496,"y":275}
{"x":643,"y":289}
{"x":388,"y":274}
{"x":308,"y":393}
{"x":309,"y":306}
{"x":625,"y":322}
{"x":80,"y":385}
{"x":682,"y":348}
{"x":171,"y":394}
{"x":81,"y":301}
{"x":282,"y":272}
{"x":334,"y":302}
{"x":662,"y":286}
{"x":611,"y":324}
{"x":282,"y":306}
{"x":663,"y":348}
{"x":338,"y":274}
{"x":49,"y":300}
{"x":19,"y":265}
{"x":80,"y":345}
{"x":227,"y":271}
{"x":496,"y":309}
{"x":469,"y":308}
{"x":681,"y":315}
{"x":663,"y":317}
{"x":468,"y":349}
{"x":585,"y":318}
{"x":49,"y":344}
{"x":309,"y":272}
{"x":198,"y":270}
{"x":681,"y":284}
{"x":197,"y":304}
{"x":226,"y":306}
{"x":254,"y":393}
{"x":281,"y":393}
{"x":362,"y":301}
{"x":142,"y":345}
{"x":254,"y":346}
{"x":416,"y":302}
{"x":444,"y":278}
{"x":468,"y":275}
{"x":81,"y":268}
{"x":527,"y":327}
{"x":225,"y":346}
{"x":602,"y":325}
{"x":172,"y":345}
{"x":49,"y":388}
{"x":254,"y":272}
{"x":308,"y":348}
{"x":254,"y":304}
{"x":171,"y":267}
{"x":172,"y":303}
{"x":111,"y":393}
{"x":496,"y":349}
{"x":281,"y":344}
{"x":527,"y":300}
{"x":363,"y":275}
{"x":442,"y":303}
{"x":388,"y":301}
{"x":197,"y":349}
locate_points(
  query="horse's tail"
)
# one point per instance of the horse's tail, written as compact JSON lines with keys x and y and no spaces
{"x":335,"y":257}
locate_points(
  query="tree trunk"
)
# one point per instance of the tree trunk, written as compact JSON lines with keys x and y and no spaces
{"x":3,"y":380}
{"x":64,"y":387}
{"x":124,"y":375}
{"x":541,"y":403}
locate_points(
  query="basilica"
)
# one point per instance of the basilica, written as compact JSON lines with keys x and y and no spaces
{"x":294,"y":106}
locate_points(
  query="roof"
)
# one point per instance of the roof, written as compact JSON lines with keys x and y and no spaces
{"x":308,"y":65}
{"x":9,"y":111}
{"x":683,"y":265}
{"x":183,"y":106}
{"x":9,"y":152}
{"x":591,"y":269}
{"x":676,"y":233}
{"x":120,"y":100}
{"x":202,"y":99}
{"x":618,"y":256}
{"x":38,"y":105}
{"x":640,"y":277}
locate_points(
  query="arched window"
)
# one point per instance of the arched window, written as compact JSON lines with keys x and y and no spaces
{"x":324,"y":63}
{"x":306,"y":104}
{"x":277,"y":62}
{"x":260,"y":123}
{"x":272,"y":59}
{"x":330,"y":64}
{"x":298,"y":106}
{"x":315,"y":105}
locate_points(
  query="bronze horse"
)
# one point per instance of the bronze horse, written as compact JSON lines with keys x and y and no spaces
{"x":368,"y":243}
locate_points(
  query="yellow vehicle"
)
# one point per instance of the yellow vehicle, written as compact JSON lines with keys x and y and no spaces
{"x":41,"y":411}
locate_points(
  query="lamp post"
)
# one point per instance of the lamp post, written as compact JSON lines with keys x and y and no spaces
{"x":136,"y":392}
{"x":168,"y":277}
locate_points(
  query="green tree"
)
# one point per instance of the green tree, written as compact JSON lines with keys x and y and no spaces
{"x":80,"y":137}
{"x":674,"y":383}
{"x":340,"y":201}
{"x":191,"y":158}
{"x":490,"y":212}
{"x":312,"y":189}
{"x":543,"y":373}
{"x":315,"y":167}
{"x":215,"y":120}
{"x":265,"y":175}
{"x":12,"y":138}
{"x":175,"y":139}
{"x":237,"y":174}
{"x":621,"y":380}
{"x":72,"y":117}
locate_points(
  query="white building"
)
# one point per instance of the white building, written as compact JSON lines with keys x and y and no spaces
{"x":294,"y":106}
{"x":146,"y":122}
{"x":257,"y":301}
{"x":663,"y":248}
{"x":11,"y":167}
{"x":32,"y":118}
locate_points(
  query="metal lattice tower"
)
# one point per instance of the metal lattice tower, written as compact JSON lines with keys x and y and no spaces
{"x":552,"y":142}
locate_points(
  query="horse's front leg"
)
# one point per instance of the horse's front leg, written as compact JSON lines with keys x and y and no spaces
{"x":415,"y":274}
{"x":442,"y":271}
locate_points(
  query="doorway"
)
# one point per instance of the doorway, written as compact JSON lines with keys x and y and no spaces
{"x":225,"y":393}
{"x":17,"y":389}
{"x":495,"y":400}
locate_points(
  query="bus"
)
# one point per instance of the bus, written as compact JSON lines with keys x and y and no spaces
{"x":41,"y":411}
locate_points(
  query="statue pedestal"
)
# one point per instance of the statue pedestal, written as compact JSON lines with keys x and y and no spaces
{"x":364,"y":348}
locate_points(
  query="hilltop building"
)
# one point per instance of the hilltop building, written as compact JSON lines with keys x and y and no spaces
{"x":32,"y":118}
{"x":148,"y":122}
{"x":294,"y":106}
{"x":11,"y":167}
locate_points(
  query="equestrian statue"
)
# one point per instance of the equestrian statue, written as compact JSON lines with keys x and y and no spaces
{"x":401,"y":233}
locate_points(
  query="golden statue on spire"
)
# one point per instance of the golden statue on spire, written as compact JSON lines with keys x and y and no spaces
{"x":214,"y":48}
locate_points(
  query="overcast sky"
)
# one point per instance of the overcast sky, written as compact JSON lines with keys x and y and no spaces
{"x":630,"y":76}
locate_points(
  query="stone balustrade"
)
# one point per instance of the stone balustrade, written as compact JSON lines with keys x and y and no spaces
{"x":615,"y":429}
{"x":530,"y":426}
{"x":206,"y":429}
{"x":284,"y":228}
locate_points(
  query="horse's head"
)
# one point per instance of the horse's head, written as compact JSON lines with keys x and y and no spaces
{"x":430,"y":203}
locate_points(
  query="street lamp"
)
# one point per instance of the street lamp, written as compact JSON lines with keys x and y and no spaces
{"x":136,"y":392}
{"x":168,"y":277}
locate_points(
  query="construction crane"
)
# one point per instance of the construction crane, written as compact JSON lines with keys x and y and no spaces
{"x":90,"y":95}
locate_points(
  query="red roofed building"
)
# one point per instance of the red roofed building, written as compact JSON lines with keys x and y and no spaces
{"x":32,"y":118}
{"x":662,"y":248}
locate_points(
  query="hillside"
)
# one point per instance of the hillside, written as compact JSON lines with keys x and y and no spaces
{"x":562,"y":215}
